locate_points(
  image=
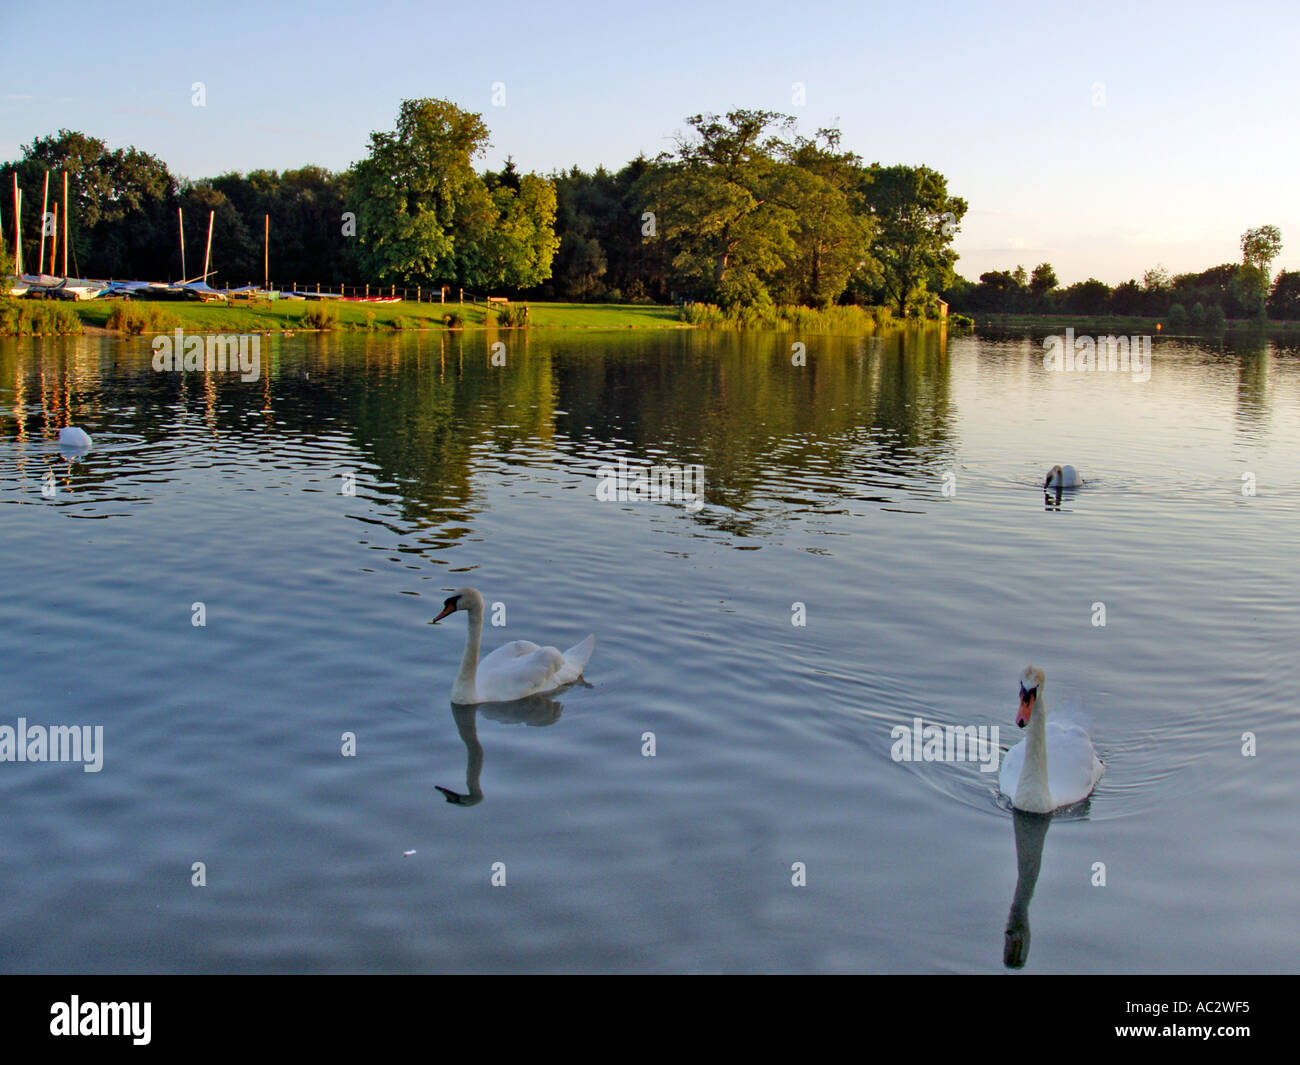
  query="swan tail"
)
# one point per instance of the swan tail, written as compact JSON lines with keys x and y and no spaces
{"x":577,"y":657}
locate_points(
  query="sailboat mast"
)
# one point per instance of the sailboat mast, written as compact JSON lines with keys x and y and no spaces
{"x":45,"y":206}
{"x":65,"y":223}
{"x":266,"y":255}
{"x":18,"y":226}
{"x":208,"y":255}
{"x":180,"y":222}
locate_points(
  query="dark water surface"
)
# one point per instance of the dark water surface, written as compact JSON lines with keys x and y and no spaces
{"x":892,"y":487}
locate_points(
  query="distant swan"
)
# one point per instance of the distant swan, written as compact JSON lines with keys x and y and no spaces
{"x":1056,"y":765}
{"x":1062,"y":477}
{"x":75,"y":438}
{"x":514,"y":670}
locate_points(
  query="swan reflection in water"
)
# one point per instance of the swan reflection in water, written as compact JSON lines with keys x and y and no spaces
{"x":536,"y":710}
{"x":1031,"y":833}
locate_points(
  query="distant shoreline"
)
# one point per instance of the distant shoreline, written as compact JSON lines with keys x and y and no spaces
{"x":1103,"y":324}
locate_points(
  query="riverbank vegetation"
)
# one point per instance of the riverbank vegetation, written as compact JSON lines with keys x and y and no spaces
{"x":745,"y":212}
{"x":1196,"y":301}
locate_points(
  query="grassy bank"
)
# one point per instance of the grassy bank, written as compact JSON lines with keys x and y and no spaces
{"x":286,"y":316}
{"x":145,"y":317}
{"x":20,"y":318}
{"x":849,"y":319}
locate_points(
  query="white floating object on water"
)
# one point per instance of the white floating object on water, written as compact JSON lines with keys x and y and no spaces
{"x":1062,"y":477}
{"x":408,"y":853}
{"x":75,"y":438}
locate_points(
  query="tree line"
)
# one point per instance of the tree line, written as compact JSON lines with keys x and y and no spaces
{"x":745,"y":211}
{"x":1230,"y":290}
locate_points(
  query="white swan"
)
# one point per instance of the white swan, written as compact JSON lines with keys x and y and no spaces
{"x":514,"y":670}
{"x":75,"y":439}
{"x":1056,"y":765}
{"x":1062,"y":477}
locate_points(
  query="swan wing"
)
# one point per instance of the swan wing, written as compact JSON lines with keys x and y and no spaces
{"x":1073,"y":767}
{"x":519,"y":674}
{"x":1012,"y":764}
{"x":505,"y":653}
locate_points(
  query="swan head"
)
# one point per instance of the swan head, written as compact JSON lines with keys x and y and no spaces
{"x":467,"y":599}
{"x":1062,"y":477}
{"x":1031,"y":692}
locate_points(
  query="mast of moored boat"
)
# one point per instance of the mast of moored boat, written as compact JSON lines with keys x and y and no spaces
{"x":45,"y":206}
{"x":180,"y":222}
{"x":65,"y":224}
{"x":208,"y":254}
{"x":18,"y":227}
{"x":266,"y":255}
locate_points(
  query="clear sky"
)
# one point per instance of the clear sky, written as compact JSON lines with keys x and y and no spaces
{"x":1101,"y":137}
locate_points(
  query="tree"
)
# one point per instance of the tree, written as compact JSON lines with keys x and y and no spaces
{"x":120,"y":203}
{"x":508,"y":238}
{"x":1259,"y":247}
{"x":917,"y":219}
{"x":415,"y":188}
{"x":1284,"y":301}
{"x":1156,"y":279}
{"x":1087,"y":297}
{"x":723,"y":204}
{"x":833,"y":234}
{"x":1000,"y":291}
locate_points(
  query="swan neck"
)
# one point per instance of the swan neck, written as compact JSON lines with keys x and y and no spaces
{"x":1034,"y":792}
{"x":465,"y":690}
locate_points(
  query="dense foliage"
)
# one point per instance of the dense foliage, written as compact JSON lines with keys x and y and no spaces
{"x":745,"y":213}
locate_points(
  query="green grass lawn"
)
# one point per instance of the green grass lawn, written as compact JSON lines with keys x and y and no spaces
{"x":286,"y":315}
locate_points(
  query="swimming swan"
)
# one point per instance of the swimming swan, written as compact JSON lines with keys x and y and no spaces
{"x":1056,"y":765}
{"x":1062,"y":477}
{"x":75,"y":439}
{"x":514,"y":670}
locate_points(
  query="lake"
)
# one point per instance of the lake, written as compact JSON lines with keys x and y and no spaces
{"x":236,"y":583}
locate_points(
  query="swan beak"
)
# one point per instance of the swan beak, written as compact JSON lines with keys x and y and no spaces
{"x":445,"y":611}
{"x":1027,"y":700}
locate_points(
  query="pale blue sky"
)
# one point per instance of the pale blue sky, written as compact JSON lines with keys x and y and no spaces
{"x":1101,"y":137}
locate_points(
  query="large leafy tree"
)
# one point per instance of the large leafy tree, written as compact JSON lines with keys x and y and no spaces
{"x":723,"y":202}
{"x":833,"y":234}
{"x":119,"y":205}
{"x":1259,"y":247}
{"x":1284,"y":300}
{"x":917,"y":219}
{"x":506,"y":232}
{"x":411,"y":188}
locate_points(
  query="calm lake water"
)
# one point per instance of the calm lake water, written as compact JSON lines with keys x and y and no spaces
{"x":888,"y":494}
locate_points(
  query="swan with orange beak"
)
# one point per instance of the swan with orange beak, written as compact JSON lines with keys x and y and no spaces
{"x":1056,"y":765}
